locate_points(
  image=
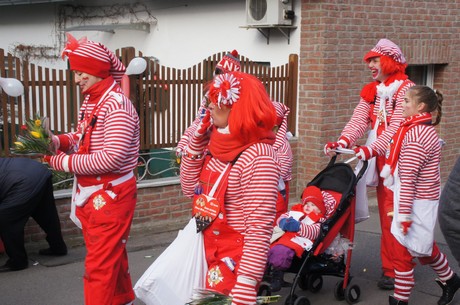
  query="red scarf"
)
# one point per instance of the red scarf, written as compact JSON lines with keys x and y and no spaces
{"x":370,"y":90}
{"x":226,"y":147}
{"x":396,"y":141}
{"x":95,"y":93}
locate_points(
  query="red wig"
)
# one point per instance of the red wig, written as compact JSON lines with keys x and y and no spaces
{"x":390,"y":66}
{"x":253,"y":114}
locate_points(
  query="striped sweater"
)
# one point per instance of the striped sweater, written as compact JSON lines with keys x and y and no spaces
{"x":283,"y":150}
{"x":286,"y":159}
{"x":249,"y":201}
{"x":361,"y":120}
{"x":418,"y":167}
{"x":114,"y":144}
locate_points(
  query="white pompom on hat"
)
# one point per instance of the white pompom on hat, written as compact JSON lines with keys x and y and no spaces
{"x":388,"y":48}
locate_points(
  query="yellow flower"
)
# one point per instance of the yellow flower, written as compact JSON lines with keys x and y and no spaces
{"x":19,"y":144}
{"x":36,"y":134}
{"x":38,"y":122}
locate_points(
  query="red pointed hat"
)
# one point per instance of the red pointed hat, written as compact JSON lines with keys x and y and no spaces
{"x":229,"y":62}
{"x":281,"y":112}
{"x":314,"y":194}
{"x":92,"y":58}
{"x":388,"y":48}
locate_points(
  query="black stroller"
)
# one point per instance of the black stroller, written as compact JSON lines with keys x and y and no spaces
{"x":340,"y":180}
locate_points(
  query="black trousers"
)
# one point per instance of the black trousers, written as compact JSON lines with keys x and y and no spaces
{"x":42,"y":209}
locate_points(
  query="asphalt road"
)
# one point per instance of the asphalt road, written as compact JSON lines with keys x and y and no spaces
{"x":58,"y":280}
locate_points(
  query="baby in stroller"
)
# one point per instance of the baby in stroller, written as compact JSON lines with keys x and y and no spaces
{"x":296,"y":231}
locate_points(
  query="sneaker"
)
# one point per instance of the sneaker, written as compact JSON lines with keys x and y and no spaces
{"x":449,"y":288}
{"x":275,"y":285}
{"x":386,"y":283}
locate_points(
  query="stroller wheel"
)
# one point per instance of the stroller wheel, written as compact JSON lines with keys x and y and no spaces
{"x":339,"y":292}
{"x":290,"y":300}
{"x":302,"y":300}
{"x":303,"y":282}
{"x":314,"y":283}
{"x":264,"y":289}
{"x":352,"y":294}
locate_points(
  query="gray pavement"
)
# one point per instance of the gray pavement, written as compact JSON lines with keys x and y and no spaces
{"x":58,"y":280}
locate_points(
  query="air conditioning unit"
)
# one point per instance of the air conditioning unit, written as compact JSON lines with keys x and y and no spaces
{"x":269,"y":12}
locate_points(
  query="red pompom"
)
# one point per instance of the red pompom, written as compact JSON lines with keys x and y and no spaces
{"x":369,"y":91}
{"x":235,"y":53}
{"x":72,"y":44}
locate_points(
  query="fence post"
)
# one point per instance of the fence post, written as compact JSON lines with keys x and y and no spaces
{"x":291,"y":98}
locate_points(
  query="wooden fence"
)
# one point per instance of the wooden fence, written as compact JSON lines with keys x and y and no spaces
{"x":167,"y":99}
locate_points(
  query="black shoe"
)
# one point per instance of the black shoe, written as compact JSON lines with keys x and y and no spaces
{"x":53,"y":252}
{"x":386,"y":283}
{"x":393,"y":301}
{"x":8,"y":267}
{"x":277,"y":280}
{"x":449,"y":288}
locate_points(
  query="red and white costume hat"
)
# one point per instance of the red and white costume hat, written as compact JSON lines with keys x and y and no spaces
{"x":229,"y":62}
{"x":388,"y":48}
{"x":314,"y":195}
{"x":93,"y":58}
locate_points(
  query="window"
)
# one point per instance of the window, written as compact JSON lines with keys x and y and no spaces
{"x":421,"y":74}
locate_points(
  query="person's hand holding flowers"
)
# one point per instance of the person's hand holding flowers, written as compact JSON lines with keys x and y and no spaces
{"x":34,"y":138}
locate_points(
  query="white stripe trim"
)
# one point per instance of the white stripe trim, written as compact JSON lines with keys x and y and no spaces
{"x":65,"y":163}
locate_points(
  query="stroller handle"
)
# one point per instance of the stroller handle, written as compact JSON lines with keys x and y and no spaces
{"x":349,"y":152}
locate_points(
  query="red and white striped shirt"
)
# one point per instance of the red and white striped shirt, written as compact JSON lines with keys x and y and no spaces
{"x":114,"y":144}
{"x":418,"y":167}
{"x":250,"y":200}
{"x":286,"y":160}
{"x":361,"y":120}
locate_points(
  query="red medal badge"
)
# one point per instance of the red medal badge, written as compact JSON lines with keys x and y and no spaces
{"x":205,"y":210}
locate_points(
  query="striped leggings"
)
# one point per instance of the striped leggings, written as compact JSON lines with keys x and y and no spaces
{"x":404,"y":269}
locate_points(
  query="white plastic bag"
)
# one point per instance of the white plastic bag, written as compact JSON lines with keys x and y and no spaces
{"x":371,"y":176}
{"x":361,"y":199}
{"x":180,"y":269}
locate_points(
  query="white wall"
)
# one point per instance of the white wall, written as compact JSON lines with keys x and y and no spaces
{"x":185,"y":33}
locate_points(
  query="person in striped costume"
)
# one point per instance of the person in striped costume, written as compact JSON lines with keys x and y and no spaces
{"x":412,"y":171}
{"x":232,"y":158}
{"x":102,"y":153}
{"x":228,"y":63}
{"x":380,"y":109}
{"x":284,"y":153}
